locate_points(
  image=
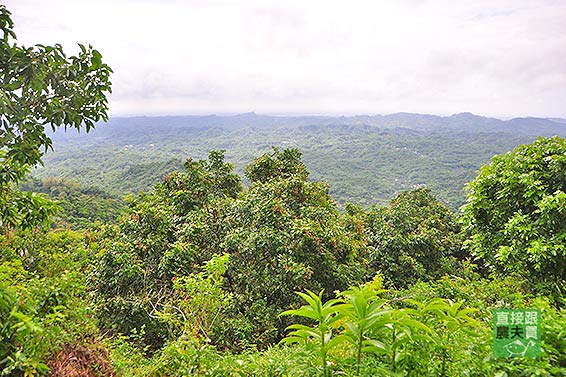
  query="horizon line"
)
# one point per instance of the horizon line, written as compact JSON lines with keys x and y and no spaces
{"x":329,"y":115}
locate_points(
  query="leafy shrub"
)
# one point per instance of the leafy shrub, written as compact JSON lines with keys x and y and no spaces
{"x":19,"y":332}
{"x":365,"y":333}
{"x":287,"y":236}
{"x":43,"y":305}
{"x":473,"y":355}
{"x":415,"y":340}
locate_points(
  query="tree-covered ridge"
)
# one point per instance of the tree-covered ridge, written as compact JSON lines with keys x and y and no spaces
{"x":78,"y":207}
{"x":366,"y":160}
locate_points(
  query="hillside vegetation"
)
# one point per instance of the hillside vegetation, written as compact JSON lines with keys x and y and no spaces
{"x":258,"y":271}
{"x":366,"y":160}
{"x":201,"y":276}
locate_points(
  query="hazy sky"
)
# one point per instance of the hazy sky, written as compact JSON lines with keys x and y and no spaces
{"x":490,"y":57}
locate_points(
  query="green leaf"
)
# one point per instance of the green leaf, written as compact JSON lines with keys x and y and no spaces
{"x":96,"y":60}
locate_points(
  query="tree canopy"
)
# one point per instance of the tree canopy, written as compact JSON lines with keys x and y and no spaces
{"x":283,"y":234}
{"x":415,"y":238}
{"x":41,"y":87}
{"x":516,"y":212}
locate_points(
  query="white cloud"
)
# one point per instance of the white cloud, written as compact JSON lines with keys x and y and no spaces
{"x":500,"y":58}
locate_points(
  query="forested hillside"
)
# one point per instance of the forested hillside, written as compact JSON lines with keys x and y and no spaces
{"x":258,"y":271}
{"x":79,"y":207}
{"x":365,"y":159}
{"x":201,"y":276}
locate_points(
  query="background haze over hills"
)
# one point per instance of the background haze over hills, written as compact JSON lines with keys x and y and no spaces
{"x":365,"y":159}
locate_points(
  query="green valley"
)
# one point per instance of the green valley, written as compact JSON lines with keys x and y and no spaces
{"x":366,"y":160}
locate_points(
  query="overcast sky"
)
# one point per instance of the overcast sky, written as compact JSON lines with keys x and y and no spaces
{"x":490,"y":57}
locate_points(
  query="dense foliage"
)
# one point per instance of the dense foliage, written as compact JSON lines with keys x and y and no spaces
{"x":199,"y":266}
{"x":201,"y":276}
{"x":79,"y":207}
{"x":167,"y":233}
{"x":516,"y":213}
{"x":40,"y":86}
{"x":283,"y":234}
{"x":43,"y":298}
{"x":415,"y":238}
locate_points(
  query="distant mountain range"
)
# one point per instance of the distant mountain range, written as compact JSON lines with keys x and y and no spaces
{"x":365,"y":159}
{"x":462,"y":122}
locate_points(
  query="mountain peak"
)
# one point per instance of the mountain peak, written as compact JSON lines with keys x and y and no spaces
{"x":466,"y":114}
{"x":245,"y":115}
